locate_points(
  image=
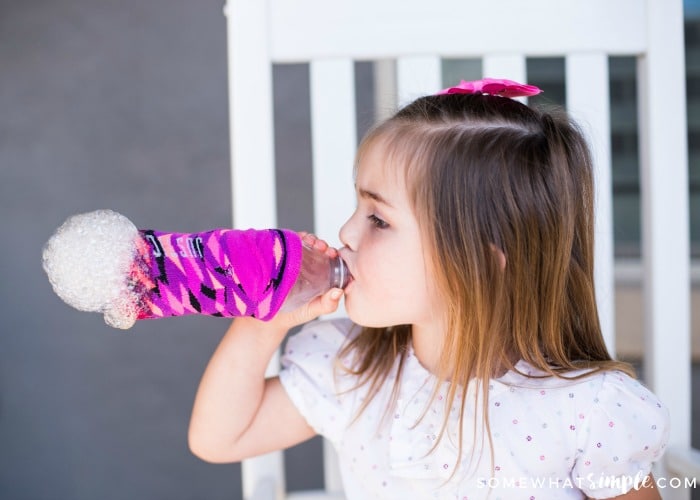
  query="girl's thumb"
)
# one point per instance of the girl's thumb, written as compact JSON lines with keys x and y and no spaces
{"x":326,"y":303}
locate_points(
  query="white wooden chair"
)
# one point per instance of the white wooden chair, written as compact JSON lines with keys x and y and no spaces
{"x":417,"y":35}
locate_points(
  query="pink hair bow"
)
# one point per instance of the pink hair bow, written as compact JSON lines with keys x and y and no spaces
{"x":493,"y":86}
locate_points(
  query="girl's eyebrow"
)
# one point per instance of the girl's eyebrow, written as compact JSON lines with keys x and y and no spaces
{"x":364,"y":193}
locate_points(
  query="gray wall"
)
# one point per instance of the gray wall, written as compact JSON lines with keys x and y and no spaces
{"x":121,"y":105}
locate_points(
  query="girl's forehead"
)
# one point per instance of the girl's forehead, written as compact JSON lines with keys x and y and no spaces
{"x":380,"y":163}
{"x":382,"y":176}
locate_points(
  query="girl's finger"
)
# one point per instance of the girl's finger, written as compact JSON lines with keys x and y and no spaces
{"x":321,"y":245}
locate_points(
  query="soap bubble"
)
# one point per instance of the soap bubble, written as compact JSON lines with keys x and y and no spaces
{"x":89,"y":260}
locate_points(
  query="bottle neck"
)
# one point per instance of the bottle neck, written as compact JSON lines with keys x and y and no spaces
{"x":339,"y":274}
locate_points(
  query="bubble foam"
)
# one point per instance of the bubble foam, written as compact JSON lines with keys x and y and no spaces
{"x":89,"y":260}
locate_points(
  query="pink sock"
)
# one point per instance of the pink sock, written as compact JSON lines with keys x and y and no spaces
{"x":223,"y":272}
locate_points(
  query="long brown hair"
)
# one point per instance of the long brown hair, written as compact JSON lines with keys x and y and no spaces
{"x":489,"y":177}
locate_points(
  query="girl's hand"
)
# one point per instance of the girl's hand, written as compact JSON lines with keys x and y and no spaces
{"x":318,"y":244}
{"x":323,"y":304}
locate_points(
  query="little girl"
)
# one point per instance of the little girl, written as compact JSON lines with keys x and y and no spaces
{"x":472,"y":364}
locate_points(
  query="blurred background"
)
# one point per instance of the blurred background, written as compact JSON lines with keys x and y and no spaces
{"x":123,"y":105}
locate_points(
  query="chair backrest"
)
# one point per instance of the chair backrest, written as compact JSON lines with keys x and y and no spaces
{"x":418,"y":35}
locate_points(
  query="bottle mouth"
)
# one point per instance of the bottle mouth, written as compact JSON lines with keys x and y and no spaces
{"x":341,"y":275}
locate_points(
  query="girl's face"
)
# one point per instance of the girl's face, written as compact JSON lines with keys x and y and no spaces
{"x":384,"y":250}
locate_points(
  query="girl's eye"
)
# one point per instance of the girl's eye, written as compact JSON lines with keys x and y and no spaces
{"x":377,"y":222}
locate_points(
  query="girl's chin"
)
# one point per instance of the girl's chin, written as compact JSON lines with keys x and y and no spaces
{"x":364,"y":320}
{"x":365,"y":313}
{"x":354,"y":313}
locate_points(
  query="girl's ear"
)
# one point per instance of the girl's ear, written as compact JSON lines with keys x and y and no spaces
{"x":499,"y":255}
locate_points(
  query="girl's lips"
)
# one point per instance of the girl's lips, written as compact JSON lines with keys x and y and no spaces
{"x":350,"y":280}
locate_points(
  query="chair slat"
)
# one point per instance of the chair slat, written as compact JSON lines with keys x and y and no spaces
{"x":263,"y":477}
{"x":511,"y":66}
{"x":334,"y":141}
{"x":417,"y":76}
{"x":251,"y":115}
{"x":588,"y":101}
{"x":331,"y":469}
{"x":665,"y":218}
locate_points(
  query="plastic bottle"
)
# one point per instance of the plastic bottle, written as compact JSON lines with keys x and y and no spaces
{"x":101,"y":262}
{"x":318,"y":274}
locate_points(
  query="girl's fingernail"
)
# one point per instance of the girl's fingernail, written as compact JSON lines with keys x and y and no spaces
{"x":335,"y":294}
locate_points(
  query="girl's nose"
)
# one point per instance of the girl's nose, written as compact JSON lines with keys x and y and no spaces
{"x":347,"y":235}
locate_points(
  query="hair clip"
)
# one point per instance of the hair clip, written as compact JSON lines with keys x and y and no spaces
{"x":493,"y":86}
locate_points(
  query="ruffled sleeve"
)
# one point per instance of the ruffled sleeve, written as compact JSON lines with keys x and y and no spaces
{"x":317,"y":389}
{"x":627,"y":430}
